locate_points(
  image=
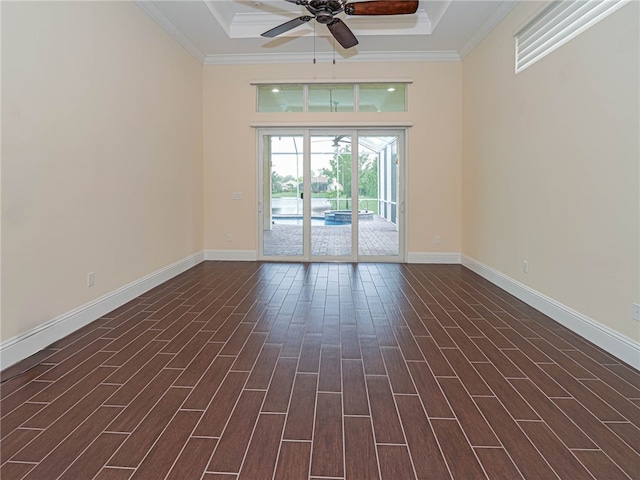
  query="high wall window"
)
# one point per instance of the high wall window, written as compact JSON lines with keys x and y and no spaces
{"x":556,"y":24}
{"x":332,"y":97}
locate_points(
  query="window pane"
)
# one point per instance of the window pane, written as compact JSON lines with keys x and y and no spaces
{"x":280,"y":98}
{"x":332,"y":204}
{"x":331,"y":98}
{"x":283,"y":181}
{"x":387,"y":97}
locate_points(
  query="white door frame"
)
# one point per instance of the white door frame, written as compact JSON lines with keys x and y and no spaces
{"x":263,"y":203}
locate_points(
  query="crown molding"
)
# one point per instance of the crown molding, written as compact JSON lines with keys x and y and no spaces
{"x":436,"y":10}
{"x":487,"y":27}
{"x":219,"y":16}
{"x":165,"y":23}
{"x":327,"y":57}
{"x":168,"y":26}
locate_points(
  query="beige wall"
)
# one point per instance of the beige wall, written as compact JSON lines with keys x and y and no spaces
{"x":551,"y":166}
{"x":101,"y":154}
{"x":434,"y":141}
{"x":104,"y":138}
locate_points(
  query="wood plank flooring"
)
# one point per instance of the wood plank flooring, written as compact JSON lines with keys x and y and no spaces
{"x":321,"y":371}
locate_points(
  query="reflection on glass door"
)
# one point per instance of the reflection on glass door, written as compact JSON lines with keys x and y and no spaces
{"x":378,"y":189}
{"x":283,"y":210}
{"x":331,"y":201}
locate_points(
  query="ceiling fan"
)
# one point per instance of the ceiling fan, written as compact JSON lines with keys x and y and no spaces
{"x":325,"y":11}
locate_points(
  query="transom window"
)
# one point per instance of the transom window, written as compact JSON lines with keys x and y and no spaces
{"x":332,"y":97}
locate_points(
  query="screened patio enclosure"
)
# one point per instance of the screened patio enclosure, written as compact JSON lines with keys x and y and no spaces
{"x":385,"y":153}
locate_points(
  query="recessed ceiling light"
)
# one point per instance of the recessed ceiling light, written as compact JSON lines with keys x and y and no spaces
{"x":391,"y":89}
{"x":275,"y":90}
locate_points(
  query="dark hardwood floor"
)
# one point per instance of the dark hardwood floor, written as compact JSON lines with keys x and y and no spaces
{"x":326,"y":371}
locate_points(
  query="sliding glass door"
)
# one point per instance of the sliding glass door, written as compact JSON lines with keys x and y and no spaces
{"x":331,"y":195}
{"x":282,"y":206}
{"x":331,"y":232}
{"x":379,"y":195}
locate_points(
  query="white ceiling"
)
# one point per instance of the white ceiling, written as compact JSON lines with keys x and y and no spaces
{"x":228,"y":31}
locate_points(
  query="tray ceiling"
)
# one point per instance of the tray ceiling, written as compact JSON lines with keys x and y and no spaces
{"x":228,"y":31}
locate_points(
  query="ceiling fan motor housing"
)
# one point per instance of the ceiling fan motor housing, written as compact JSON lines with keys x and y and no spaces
{"x":324,"y":17}
{"x":324,"y":10}
{"x":332,"y":5}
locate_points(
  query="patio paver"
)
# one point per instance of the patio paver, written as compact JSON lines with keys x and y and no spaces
{"x":376,"y":237}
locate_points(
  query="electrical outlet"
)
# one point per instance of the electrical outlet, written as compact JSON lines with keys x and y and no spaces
{"x":229,"y":237}
{"x":91,"y":279}
{"x":437,"y":240}
{"x":525,"y":266}
{"x":636,"y":312}
{"x":237,"y":195}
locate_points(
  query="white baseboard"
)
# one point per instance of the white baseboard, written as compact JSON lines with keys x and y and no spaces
{"x":231,"y":255}
{"x":618,"y":345}
{"x":433,"y":257}
{"x":22,"y":346}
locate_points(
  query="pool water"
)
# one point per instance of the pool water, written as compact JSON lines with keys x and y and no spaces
{"x":330,"y":217}
{"x":315,"y":221}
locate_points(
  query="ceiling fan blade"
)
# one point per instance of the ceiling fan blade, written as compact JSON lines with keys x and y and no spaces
{"x":382,"y":7}
{"x":342,"y":33}
{"x":286,"y":26}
